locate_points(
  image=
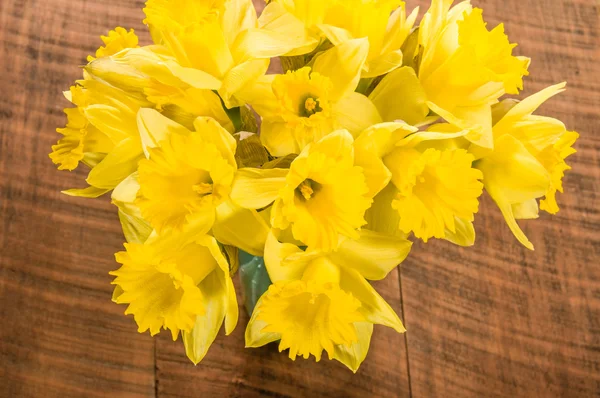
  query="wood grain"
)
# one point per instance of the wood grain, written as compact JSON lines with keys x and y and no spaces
{"x":60,"y":335}
{"x":493,"y":320}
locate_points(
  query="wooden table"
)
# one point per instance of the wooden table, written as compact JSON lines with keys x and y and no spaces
{"x":493,"y":320}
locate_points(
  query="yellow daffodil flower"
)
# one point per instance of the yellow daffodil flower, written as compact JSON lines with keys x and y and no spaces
{"x":383,"y":22}
{"x":433,"y":192}
{"x":186,"y":180}
{"x":178,"y":284}
{"x":101,"y":132}
{"x":322,"y":194}
{"x":303,"y":106}
{"x":322,"y":301}
{"x":462,"y":70}
{"x":528,"y":161}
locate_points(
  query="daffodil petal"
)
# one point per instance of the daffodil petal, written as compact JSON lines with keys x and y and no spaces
{"x":255,"y":337}
{"x":113,"y":122}
{"x":239,"y":16}
{"x":353,"y":356}
{"x":355,"y":113}
{"x":205,"y":330}
{"x":527,"y":210}
{"x":240,"y":76}
{"x":135,"y":229}
{"x":343,"y":65}
{"x":275,"y":254}
{"x":373,"y":254}
{"x":257,"y":188}
{"x":477,"y":119}
{"x":463,"y":234}
{"x":117,"y":165}
{"x":373,"y":306}
{"x":400,"y":96}
{"x":383,"y":64}
{"x":276,"y":20}
{"x":399,"y":27}
{"x":381,"y":217}
{"x":240,"y":227}
{"x":336,"y":35}
{"x":126,"y":191}
{"x":512,"y":174}
{"x":214,"y":133}
{"x":154,"y":128}
{"x":277,"y":137}
{"x":89,"y":192}
{"x":530,"y":104}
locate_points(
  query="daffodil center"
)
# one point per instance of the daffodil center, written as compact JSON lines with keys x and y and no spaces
{"x":203,"y":189}
{"x":311,"y":107}
{"x":307,"y":189}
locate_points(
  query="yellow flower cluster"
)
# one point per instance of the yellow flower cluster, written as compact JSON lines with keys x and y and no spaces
{"x":380,"y":129}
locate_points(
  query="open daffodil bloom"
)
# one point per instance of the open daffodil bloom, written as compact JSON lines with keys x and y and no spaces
{"x":431,"y":191}
{"x":303,"y":106}
{"x":323,"y":194}
{"x":322,"y":301}
{"x":178,"y":284}
{"x":529,"y":161}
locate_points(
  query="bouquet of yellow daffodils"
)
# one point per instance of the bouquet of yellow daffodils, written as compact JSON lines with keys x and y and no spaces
{"x":380,"y":129}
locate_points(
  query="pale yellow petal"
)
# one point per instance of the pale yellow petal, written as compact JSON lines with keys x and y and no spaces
{"x":275,"y":254}
{"x":527,"y":210}
{"x":276,"y":19}
{"x":400,"y":96}
{"x":240,"y":76}
{"x":214,"y":133}
{"x":356,"y":113}
{"x":89,"y":192}
{"x":463,"y":234}
{"x":257,"y":188}
{"x":255,"y":337}
{"x":383,"y":64}
{"x":154,"y":128}
{"x":205,"y":330}
{"x":477,"y":119}
{"x":117,"y":165}
{"x":530,"y":104}
{"x":381,"y":217}
{"x":126,"y":191}
{"x":113,"y":122}
{"x":239,"y":16}
{"x":336,"y":35}
{"x":399,"y":27}
{"x":373,"y":255}
{"x":354,"y":355}
{"x":278,"y":138}
{"x":374,"y":308}
{"x":233,"y":311}
{"x":343,"y":65}
{"x":243,"y":228}
{"x":135,"y":229}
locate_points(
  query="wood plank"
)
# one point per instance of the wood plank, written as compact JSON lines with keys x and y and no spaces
{"x":496,"y":319}
{"x":60,"y":335}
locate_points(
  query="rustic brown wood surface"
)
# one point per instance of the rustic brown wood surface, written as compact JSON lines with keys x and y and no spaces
{"x":493,"y":320}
